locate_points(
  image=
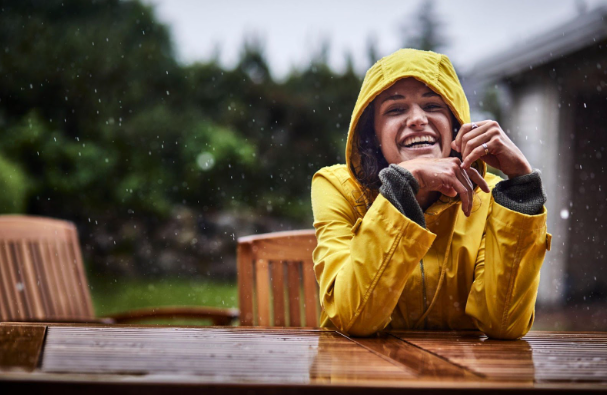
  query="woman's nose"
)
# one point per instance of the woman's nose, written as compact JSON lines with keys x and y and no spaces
{"x":417,"y":117}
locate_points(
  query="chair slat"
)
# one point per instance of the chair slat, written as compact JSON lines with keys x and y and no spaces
{"x":30,"y":280}
{"x":7,"y":291}
{"x":59,"y":278}
{"x":310,"y":288}
{"x":42,"y":278}
{"x":291,"y":249}
{"x":245,"y":283}
{"x":278,"y":292}
{"x":294,"y":287}
{"x":4,"y":312}
{"x":21,"y":270}
{"x":75,"y":255}
{"x":262,"y":274}
{"x":53,"y":280}
{"x":15,"y":283}
{"x":70,"y":278}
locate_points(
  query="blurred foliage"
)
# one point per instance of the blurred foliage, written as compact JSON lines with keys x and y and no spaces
{"x":112,"y":296}
{"x":14,"y":185}
{"x":160,"y":165}
{"x":426,"y":33}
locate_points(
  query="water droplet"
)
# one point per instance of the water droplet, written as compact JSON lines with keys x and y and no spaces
{"x":564,"y":213}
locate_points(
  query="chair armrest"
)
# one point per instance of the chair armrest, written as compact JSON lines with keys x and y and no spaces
{"x":216,"y":315}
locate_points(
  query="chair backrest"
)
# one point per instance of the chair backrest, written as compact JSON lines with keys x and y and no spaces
{"x":41,"y":271}
{"x":276,"y":282}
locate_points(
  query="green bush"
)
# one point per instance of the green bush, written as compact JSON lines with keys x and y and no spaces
{"x":14,"y":187}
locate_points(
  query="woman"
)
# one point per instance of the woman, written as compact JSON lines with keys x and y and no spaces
{"x":413,"y":233}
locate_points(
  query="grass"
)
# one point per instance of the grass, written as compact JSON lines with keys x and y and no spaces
{"x":119,"y":295}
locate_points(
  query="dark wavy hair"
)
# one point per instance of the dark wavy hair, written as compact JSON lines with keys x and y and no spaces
{"x":372,"y":160}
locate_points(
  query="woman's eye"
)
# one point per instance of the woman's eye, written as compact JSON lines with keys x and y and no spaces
{"x":397,"y":110}
{"x":433,"y":107}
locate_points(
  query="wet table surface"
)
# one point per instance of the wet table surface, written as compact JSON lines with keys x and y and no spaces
{"x":77,"y":358}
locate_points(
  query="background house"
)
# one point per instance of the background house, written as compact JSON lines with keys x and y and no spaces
{"x":550,"y":95}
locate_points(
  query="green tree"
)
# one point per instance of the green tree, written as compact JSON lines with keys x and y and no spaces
{"x":14,"y":185}
{"x":109,"y":131}
{"x":424,"y":29}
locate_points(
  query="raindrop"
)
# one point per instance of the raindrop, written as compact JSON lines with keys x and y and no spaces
{"x":564,"y":213}
{"x":205,"y":161}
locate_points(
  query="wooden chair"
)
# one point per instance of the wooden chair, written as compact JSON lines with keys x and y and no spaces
{"x":276,"y":281}
{"x":42,"y":278}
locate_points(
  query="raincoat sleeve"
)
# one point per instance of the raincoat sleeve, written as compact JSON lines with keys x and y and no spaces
{"x":507,"y":272}
{"x":362,"y":264}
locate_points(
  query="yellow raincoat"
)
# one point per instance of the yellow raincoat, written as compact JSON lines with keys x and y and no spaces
{"x":377,"y":269}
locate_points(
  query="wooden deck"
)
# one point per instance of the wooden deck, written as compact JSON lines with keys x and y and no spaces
{"x":126,"y":359}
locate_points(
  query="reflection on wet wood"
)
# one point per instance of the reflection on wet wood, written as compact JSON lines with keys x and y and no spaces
{"x":421,"y":363}
{"x":92,"y":358}
{"x":540,"y":357}
{"x":20,"y":346}
{"x":217,"y":355}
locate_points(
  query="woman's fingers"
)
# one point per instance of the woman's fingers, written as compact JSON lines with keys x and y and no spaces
{"x":447,"y":176}
{"x":475,"y":154}
{"x":475,"y":141}
{"x":476,"y":177}
{"x":447,"y":190}
{"x":462,"y":191}
{"x":466,"y":129}
{"x":457,"y":179}
{"x":465,"y":181}
{"x":469,"y":135}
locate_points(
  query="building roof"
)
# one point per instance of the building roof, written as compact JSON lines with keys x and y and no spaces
{"x":556,"y":43}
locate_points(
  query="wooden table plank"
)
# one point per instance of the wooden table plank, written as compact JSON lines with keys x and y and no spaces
{"x":222,"y":355}
{"x":539,"y":357}
{"x":423,"y":364}
{"x":92,"y":358}
{"x":20,"y":347}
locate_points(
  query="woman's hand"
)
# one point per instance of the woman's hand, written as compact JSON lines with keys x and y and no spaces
{"x":500,"y":152}
{"x":445,"y":175}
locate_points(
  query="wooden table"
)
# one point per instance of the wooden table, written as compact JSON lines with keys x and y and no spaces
{"x":112,"y":359}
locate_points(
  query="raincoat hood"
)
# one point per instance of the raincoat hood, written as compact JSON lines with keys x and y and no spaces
{"x":433,"y":69}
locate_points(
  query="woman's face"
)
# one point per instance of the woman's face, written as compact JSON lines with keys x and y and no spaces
{"x":411,"y":121}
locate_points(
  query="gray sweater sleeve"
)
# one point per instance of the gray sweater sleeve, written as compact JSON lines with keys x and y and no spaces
{"x":399,"y":187}
{"x":523,"y":194}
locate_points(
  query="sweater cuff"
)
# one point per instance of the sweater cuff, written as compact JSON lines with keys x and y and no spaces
{"x":523,"y":194}
{"x":399,"y":187}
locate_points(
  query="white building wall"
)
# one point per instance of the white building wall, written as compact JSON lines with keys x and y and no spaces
{"x":535,"y":124}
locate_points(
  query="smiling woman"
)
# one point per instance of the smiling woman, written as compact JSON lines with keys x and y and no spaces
{"x":428,"y":119}
{"x":393,"y":249}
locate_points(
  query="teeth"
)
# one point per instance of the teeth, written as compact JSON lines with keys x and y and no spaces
{"x":419,"y":139}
